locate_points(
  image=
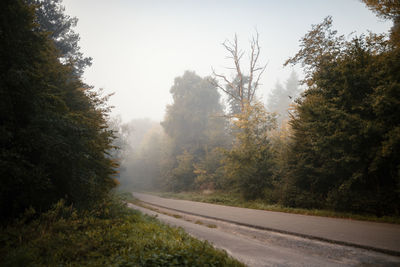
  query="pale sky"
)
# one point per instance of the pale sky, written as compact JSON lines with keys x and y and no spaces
{"x":139,"y":47}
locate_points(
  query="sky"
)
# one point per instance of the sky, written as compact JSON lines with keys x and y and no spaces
{"x":139,"y":47}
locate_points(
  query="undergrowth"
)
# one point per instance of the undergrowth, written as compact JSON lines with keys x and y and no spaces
{"x":111,"y":235}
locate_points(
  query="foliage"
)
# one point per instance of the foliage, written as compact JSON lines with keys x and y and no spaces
{"x":182,"y":176}
{"x":111,"y":235}
{"x":143,"y":161}
{"x":193,"y":115}
{"x":209,"y":171}
{"x":250,"y":161}
{"x":194,"y":122}
{"x":51,"y":19}
{"x":54,"y":136}
{"x":345,"y":128}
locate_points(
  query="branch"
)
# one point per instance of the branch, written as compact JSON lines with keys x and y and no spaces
{"x":258,"y":79}
{"x":229,"y":83}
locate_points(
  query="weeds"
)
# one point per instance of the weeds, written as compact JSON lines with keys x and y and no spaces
{"x":111,"y":235}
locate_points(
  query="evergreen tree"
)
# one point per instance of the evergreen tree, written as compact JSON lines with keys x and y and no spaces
{"x":51,"y":19}
{"x":346,"y":127}
{"x":53,"y":131}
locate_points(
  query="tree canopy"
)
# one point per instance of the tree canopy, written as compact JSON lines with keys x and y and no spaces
{"x":54,"y":136}
{"x":346,"y":126}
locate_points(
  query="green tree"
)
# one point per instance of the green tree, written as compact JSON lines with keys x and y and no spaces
{"x":53,"y":131}
{"x":193,"y":122}
{"x":248,"y":164}
{"x":389,"y":10}
{"x":51,"y":19}
{"x":345,"y":129}
{"x":250,"y":161}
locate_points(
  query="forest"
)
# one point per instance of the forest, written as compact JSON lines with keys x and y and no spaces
{"x":330,"y":140}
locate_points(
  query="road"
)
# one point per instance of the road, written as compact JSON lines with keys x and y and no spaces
{"x":256,"y":247}
{"x":382,"y":237}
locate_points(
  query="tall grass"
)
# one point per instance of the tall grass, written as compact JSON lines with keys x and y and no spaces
{"x":111,"y":235}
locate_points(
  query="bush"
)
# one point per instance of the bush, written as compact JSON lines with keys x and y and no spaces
{"x":111,"y":235}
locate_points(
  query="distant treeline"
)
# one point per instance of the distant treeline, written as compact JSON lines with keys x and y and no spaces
{"x":334,"y":146}
{"x":54,"y":136}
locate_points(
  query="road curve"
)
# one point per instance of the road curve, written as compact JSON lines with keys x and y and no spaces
{"x":381,"y":237}
{"x":252,"y":252}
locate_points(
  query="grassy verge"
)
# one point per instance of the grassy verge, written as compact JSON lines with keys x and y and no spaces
{"x":235,"y":200}
{"x":113,"y":235}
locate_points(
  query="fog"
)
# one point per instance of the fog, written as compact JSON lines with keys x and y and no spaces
{"x":139,"y":47}
{"x":143,"y":51}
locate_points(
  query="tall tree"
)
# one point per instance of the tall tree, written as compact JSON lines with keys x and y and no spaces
{"x":345,"y":131}
{"x":195,"y":113}
{"x":249,"y":163}
{"x":53,"y":132}
{"x":389,"y":10}
{"x":193,"y":122}
{"x":242,"y":89}
{"x":51,"y":17}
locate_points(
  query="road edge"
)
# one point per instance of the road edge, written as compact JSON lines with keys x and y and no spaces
{"x":381,"y":250}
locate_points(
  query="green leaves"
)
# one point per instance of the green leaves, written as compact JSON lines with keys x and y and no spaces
{"x":54,"y":140}
{"x":64,"y":236}
{"x":250,"y":161}
{"x":345,"y":128}
{"x":195,"y":124}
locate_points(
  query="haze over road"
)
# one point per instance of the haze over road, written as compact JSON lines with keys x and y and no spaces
{"x":378,"y":236}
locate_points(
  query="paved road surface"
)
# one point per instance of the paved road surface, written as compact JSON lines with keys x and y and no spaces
{"x":257,"y":248}
{"x":378,"y":236}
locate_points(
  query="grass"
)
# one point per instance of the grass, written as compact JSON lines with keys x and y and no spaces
{"x":128,"y":197}
{"x":113,"y":235}
{"x":235,"y":200}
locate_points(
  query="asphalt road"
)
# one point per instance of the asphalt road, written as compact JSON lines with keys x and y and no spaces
{"x":257,"y":248}
{"x":377,"y":236}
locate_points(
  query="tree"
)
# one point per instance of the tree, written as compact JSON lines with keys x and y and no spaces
{"x":54,"y":136}
{"x":142,"y":167}
{"x":52,"y":20}
{"x":193,"y":122}
{"x":250,"y":161}
{"x":387,"y":9}
{"x":344,"y":130}
{"x":243,"y":87}
{"x":281,"y":98}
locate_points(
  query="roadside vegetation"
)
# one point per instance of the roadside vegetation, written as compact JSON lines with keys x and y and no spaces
{"x":59,"y":158}
{"x":333,"y":145}
{"x":110,"y":235}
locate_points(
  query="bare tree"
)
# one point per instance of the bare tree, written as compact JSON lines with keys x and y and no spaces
{"x":243,"y":87}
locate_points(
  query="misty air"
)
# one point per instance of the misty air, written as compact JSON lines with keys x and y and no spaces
{"x":200,"y":133}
